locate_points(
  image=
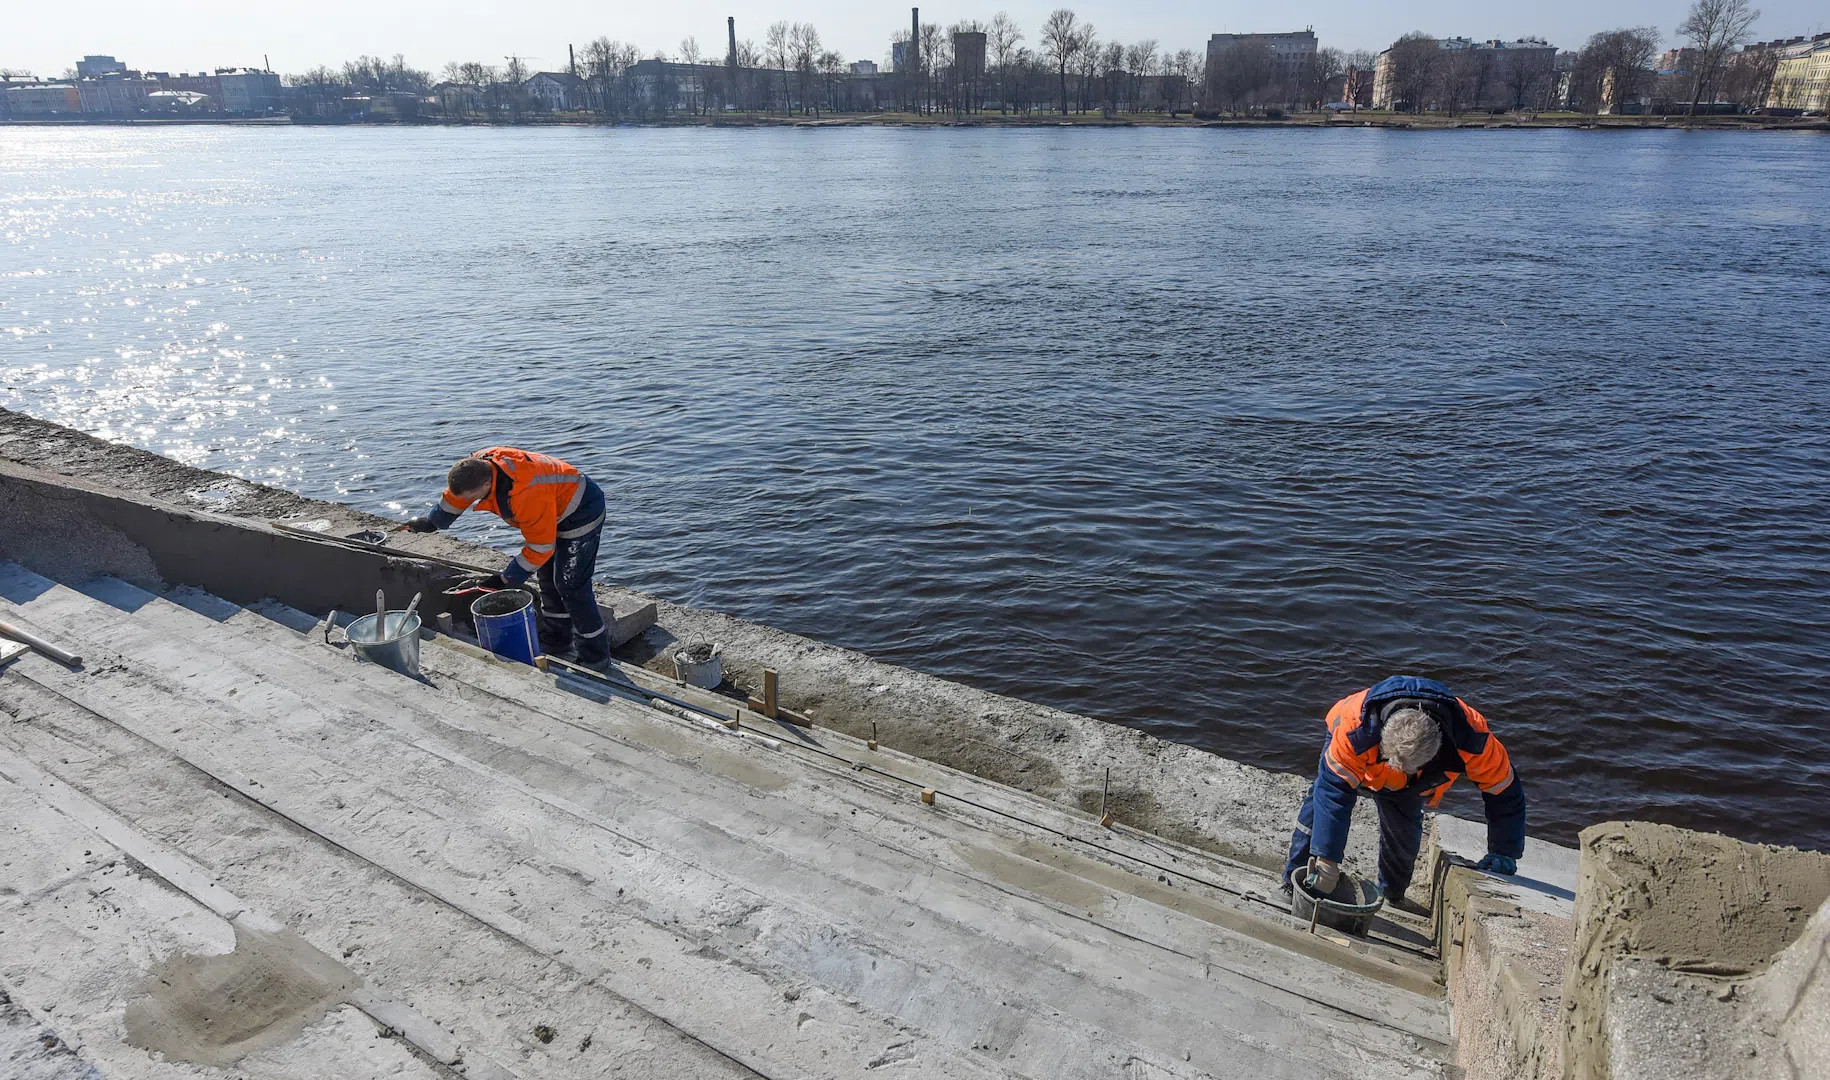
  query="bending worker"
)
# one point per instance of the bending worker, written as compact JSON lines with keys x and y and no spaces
{"x":1401,"y":742}
{"x":560,"y":512}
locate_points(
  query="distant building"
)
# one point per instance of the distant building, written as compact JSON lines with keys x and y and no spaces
{"x":557,"y":91}
{"x":899,"y":56}
{"x":29,"y":97}
{"x":864,"y":67}
{"x":1292,"y":54}
{"x":121,"y":93}
{"x":94,"y":67}
{"x":969,"y":53}
{"x":1801,"y":75}
{"x":1496,"y":75}
{"x":246,"y":91}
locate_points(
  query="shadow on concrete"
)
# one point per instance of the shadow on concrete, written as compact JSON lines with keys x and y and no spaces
{"x":116,"y":593}
{"x":20,"y":586}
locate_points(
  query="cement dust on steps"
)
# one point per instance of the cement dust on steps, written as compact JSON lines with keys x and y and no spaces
{"x":218,"y":1009}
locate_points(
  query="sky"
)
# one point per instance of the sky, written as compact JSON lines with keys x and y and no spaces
{"x":187,"y":35}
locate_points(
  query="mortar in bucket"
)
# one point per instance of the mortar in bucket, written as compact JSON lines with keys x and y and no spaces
{"x":395,"y":648}
{"x":1349,"y":908}
{"x":505,"y":624}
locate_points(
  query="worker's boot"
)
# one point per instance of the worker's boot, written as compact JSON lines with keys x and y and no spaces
{"x":594,"y":651}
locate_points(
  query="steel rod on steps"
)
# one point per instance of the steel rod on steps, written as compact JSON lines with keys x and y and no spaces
{"x":38,"y":644}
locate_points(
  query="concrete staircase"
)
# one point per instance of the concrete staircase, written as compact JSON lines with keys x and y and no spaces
{"x":512,"y":874}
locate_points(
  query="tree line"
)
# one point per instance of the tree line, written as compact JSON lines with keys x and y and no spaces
{"x":1069,"y":68}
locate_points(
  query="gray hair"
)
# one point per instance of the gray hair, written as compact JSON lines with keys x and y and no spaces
{"x":1410,"y":740}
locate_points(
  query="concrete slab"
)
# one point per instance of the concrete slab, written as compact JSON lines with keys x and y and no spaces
{"x":1545,"y":883}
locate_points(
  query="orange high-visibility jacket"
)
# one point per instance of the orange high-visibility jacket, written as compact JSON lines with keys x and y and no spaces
{"x":1468,"y":747}
{"x":532,"y":492}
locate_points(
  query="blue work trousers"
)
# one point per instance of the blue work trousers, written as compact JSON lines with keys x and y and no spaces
{"x":1400,"y":835}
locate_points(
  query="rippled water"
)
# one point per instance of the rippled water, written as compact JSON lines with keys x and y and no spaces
{"x":1193,"y":430}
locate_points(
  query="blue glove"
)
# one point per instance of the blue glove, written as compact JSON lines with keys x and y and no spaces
{"x":1498,"y":864}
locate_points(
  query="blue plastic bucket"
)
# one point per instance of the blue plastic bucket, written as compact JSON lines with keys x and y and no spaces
{"x":505,"y":625}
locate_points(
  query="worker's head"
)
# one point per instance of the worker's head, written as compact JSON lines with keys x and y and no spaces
{"x":471,"y":478}
{"x":1410,"y":739}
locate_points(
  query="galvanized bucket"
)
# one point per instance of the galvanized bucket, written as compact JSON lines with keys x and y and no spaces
{"x":396,"y":648}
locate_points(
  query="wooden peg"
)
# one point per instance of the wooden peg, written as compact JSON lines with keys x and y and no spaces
{"x":927,"y":796}
{"x":873,"y":740}
{"x":769,"y":689}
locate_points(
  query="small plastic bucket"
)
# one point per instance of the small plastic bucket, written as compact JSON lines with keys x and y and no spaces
{"x":395,"y":648}
{"x":1349,"y":908}
{"x":505,"y":625}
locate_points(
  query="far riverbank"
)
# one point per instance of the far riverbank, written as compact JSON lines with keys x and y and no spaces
{"x":1369,"y":118}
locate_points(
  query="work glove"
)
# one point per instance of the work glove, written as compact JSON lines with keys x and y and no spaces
{"x":421,"y":524}
{"x":1498,"y":864}
{"x":1322,"y":876}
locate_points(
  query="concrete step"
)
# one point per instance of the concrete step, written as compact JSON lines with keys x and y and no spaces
{"x":303,"y":723}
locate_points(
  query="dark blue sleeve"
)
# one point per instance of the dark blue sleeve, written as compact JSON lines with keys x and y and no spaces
{"x":1506,"y":820}
{"x":440,"y":517}
{"x":514,"y":573}
{"x":1333,"y":798}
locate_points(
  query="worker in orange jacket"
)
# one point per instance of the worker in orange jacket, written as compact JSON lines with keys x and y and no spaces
{"x":560,"y":512}
{"x":1400,"y":743}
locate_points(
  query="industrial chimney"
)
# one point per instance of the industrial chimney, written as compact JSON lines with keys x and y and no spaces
{"x":914,"y":39}
{"x":730,"y":24}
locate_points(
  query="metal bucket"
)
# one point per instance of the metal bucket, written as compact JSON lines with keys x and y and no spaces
{"x":396,"y":649}
{"x":505,"y":624}
{"x":700,"y":665}
{"x":1349,"y":908}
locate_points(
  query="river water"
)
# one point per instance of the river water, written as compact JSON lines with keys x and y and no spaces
{"x":1193,"y":430}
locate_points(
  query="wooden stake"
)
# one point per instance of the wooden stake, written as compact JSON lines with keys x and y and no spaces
{"x":873,"y":742}
{"x":1105,"y":819}
{"x":769,"y":688}
{"x":927,"y":796}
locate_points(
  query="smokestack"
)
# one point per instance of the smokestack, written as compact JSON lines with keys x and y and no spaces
{"x":571,"y":62}
{"x":730,"y":24}
{"x":914,"y":39}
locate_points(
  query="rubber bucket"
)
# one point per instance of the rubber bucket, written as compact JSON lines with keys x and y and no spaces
{"x":1349,"y":908}
{"x":395,"y":648}
{"x":505,"y":625}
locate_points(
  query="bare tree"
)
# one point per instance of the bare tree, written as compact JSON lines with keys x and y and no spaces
{"x":1329,"y":65}
{"x":780,"y":51}
{"x":1181,"y":69}
{"x":934,"y":56}
{"x":832,"y":66}
{"x":1003,"y":36}
{"x":1613,"y":67}
{"x":691,"y":56}
{"x":1239,"y":71}
{"x":1061,"y":44}
{"x":1416,"y":64}
{"x":804,"y":52}
{"x":1528,"y":75}
{"x":1714,"y":28}
{"x":1747,"y":78}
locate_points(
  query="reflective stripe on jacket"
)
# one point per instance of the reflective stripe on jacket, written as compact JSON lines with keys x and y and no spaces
{"x":532,"y":492}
